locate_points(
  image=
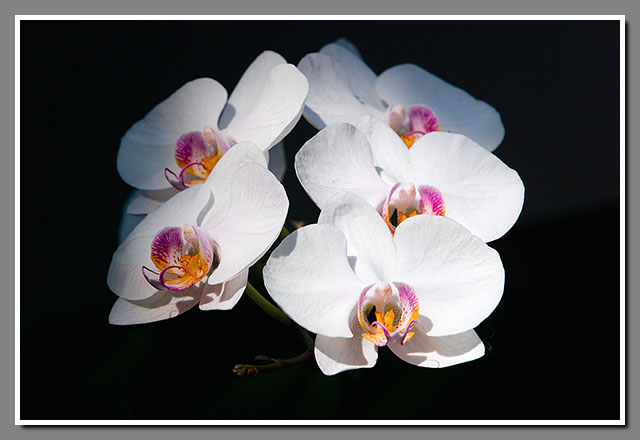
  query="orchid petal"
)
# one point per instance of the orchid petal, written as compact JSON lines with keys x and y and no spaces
{"x":220,"y":179}
{"x":387,"y":148}
{"x":147,"y":201}
{"x":191,"y":148}
{"x":335,"y":355}
{"x":166,"y":247}
{"x":251,"y":85}
{"x":439,"y":351}
{"x":331,"y":98}
{"x":163,"y":304}
{"x":275,"y":111}
{"x":225,"y":295}
{"x":361,"y":78}
{"x":125,"y":272}
{"x":240,"y":154}
{"x":257,"y":210}
{"x":128,"y":223}
{"x":278,"y":160}
{"x":308,"y":275}
{"x":338,"y":159}
{"x":457,"y":110}
{"x":422,"y":119}
{"x":457,"y":277}
{"x":148,"y":147}
{"x":348,"y":44}
{"x":480,"y":192}
{"x":370,"y":247}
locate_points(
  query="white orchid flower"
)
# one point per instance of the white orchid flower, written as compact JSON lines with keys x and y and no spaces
{"x":408,"y":98}
{"x":178,"y":143}
{"x":198,"y":246}
{"x":420,"y":292}
{"x":441,"y":174}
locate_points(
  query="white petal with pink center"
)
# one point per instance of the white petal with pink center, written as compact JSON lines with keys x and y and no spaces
{"x":197,"y":247}
{"x":409,"y":99}
{"x":420,"y":292}
{"x":443,"y":174}
{"x":179,"y":142}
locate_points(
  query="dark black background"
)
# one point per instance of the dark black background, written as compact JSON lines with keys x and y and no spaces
{"x":554,"y":346}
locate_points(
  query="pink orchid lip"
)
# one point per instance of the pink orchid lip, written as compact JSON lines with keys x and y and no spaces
{"x":196,"y":154}
{"x":395,"y":307}
{"x":406,"y":201}
{"x":413,"y":123}
{"x":431,"y":200}
{"x":182,"y":256}
{"x":423,"y":119}
{"x":179,"y":182}
{"x":154,"y":282}
{"x":174,"y":180}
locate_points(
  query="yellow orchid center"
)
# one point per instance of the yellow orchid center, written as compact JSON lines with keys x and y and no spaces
{"x":388,"y":312}
{"x":413,"y":124}
{"x":405,"y":201}
{"x":197,"y":153}
{"x":182,"y":257}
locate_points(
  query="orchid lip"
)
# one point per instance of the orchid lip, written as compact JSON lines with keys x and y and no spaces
{"x":197,"y":153}
{"x":411,"y":123}
{"x":407,"y":332}
{"x":175,"y":181}
{"x":154,"y":282}
{"x":162,"y":278}
{"x":182,"y":256}
{"x":387,"y":336}
{"x":395,"y":307}
{"x":405,"y":201}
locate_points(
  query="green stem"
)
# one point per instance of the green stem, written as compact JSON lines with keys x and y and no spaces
{"x":306,"y":337}
{"x":283,"y":234}
{"x":266,"y":306}
{"x":267,"y":363}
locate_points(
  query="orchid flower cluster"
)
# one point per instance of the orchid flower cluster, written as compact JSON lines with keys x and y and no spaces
{"x":402,"y":172}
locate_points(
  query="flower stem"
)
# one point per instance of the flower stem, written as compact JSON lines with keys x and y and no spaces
{"x":266,"y":306}
{"x":266,"y":363}
{"x":283,"y":234}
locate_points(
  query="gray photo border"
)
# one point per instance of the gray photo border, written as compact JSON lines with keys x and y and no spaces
{"x":7,"y":184}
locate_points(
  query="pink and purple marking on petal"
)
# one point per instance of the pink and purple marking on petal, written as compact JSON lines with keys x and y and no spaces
{"x":191,"y":148}
{"x":196,"y":154}
{"x":395,"y":307}
{"x":431,"y":200}
{"x":409,"y":306}
{"x":182,"y":257}
{"x":405,"y":201}
{"x":422,"y":120}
